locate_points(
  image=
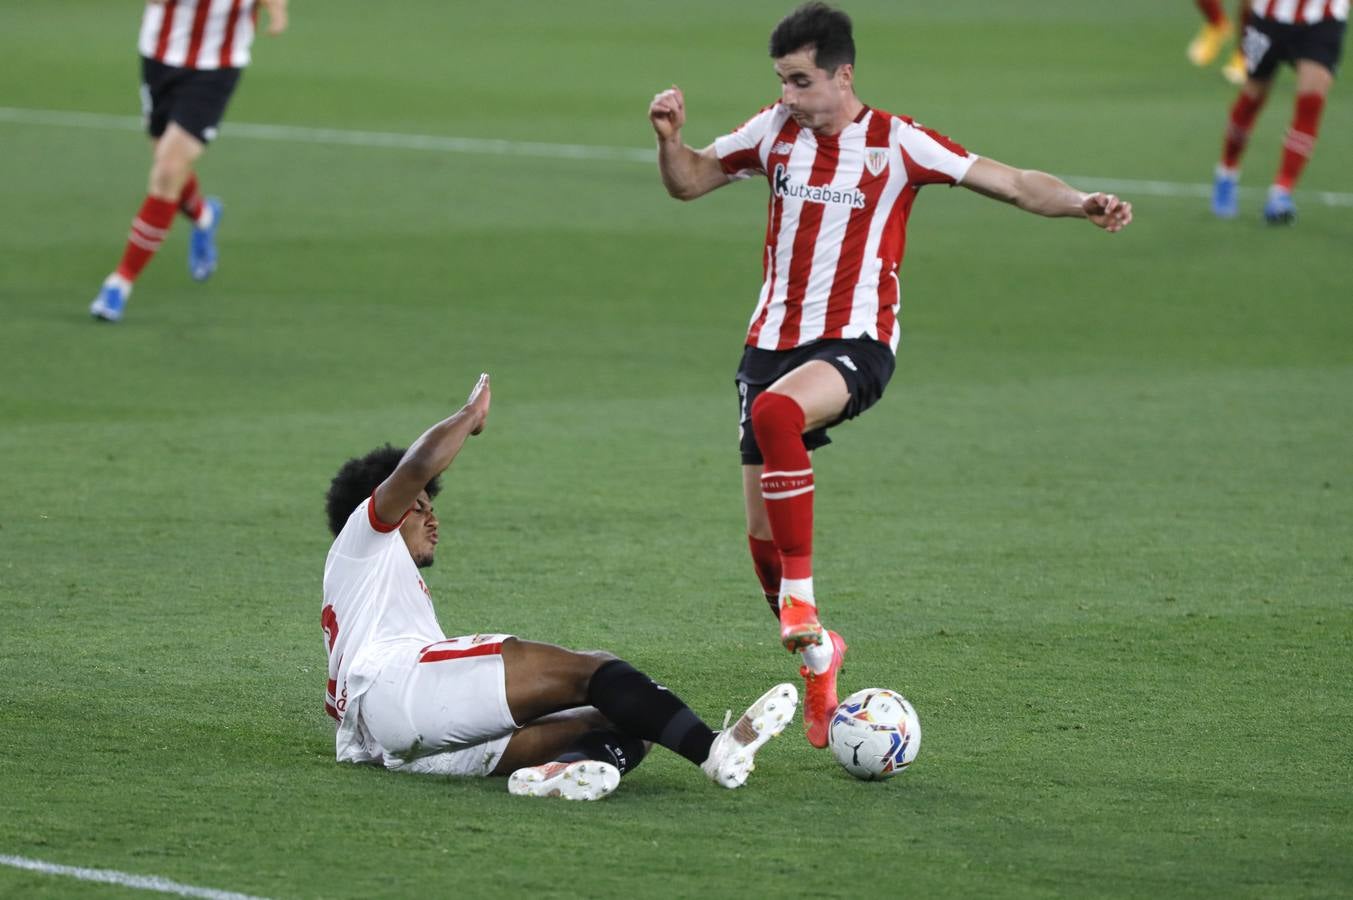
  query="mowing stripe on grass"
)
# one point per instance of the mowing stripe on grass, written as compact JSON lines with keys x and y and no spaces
{"x":498,"y":147}
{"x":122,"y":879}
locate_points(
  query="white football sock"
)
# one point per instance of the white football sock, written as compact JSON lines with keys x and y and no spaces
{"x":798,"y":588}
{"x":818,"y":658}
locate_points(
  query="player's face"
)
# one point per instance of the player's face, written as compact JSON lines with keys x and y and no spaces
{"x":420,"y":531}
{"x":816,"y":98}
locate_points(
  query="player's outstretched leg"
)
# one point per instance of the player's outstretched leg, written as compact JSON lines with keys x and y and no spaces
{"x":732,"y":756}
{"x":542,"y":679}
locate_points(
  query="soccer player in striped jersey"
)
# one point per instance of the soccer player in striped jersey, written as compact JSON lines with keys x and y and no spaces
{"x":823,"y":336}
{"x":1309,"y":36}
{"x":192,"y":55}
{"x":559,"y":723}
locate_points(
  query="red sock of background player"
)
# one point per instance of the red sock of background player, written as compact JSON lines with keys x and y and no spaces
{"x":787,"y":489}
{"x":192,"y":205}
{"x":1300,"y":141}
{"x":1211,"y":10}
{"x":148,"y":231}
{"x":1243,"y":113}
{"x":766,"y":560}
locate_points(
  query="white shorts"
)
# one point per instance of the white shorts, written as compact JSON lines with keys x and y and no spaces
{"x":442,"y":708}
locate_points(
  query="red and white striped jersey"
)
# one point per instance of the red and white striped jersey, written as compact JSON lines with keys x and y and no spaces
{"x":375,"y":605}
{"x":837,"y":219}
{"x":199,"y":34}
{"x":1300,"y":12}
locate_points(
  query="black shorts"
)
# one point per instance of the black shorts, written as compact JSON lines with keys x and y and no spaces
{"x":1267,"y":44}
{"x":866,"y":365}
{"x":194,"y":98}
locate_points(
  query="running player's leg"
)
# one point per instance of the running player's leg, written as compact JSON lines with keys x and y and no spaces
{"x":542,"y":679}
{"x":1314,"y":80}
{"x":1244,"y":111}
{"x":175,"y":152}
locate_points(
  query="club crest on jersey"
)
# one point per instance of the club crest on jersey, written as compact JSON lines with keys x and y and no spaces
{"x":783,"y":186}
{"x":875,"y":159}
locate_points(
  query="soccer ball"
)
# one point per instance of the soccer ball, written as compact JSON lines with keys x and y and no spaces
{"x":874,"y":734}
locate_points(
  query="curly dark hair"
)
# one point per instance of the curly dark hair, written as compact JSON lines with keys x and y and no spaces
{"x":358,"y":477}
{"x":828,"y":30}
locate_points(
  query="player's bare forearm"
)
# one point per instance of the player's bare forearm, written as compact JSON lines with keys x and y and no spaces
{"x":432,"y":454}
{"x":688,"y":173}
{"x":1046,"y":195}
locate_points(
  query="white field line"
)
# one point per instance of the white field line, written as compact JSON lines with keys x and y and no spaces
{"x":497,"y":147}
{"x":122,"y":879}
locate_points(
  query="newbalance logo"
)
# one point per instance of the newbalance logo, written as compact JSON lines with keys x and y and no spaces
{"x":782,"y":148}
{"x":822,"y":193}
{"x":847,"y":362}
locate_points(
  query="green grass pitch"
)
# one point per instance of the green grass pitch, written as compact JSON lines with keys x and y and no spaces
{"x":1098,"y":531}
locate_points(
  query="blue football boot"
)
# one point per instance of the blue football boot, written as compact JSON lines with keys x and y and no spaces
{"x":1279,"y":210}
{"x":112,"y":298}
{"x":1225,"y":195}
{"x":202,"y":245}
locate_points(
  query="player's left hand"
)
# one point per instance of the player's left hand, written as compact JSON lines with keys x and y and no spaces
{"x":1107,"y":211}
{"x":277,"y":16}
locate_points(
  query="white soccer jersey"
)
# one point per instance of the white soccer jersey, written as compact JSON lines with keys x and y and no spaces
{"x":199,"y":34}
{"x":1301,"y":12}
{"x":375,"y":605}
{"x":837,"y":219}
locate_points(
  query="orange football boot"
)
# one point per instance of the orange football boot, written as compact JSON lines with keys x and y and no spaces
{"x":819,"y":694}
{"x":799,"y":626}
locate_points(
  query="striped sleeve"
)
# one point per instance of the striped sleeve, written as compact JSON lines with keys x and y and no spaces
{"x":931,"y":157}
{"x":739,"y":152}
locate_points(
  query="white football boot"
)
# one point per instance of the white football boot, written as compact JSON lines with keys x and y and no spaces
{"x":732,"y":757}
{"x":582,"y":780}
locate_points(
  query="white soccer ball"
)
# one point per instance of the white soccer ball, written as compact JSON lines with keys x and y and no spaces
{"x":874,"y":734}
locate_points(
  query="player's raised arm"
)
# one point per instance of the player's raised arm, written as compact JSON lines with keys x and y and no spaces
{"x":1046,"y":195}
{"x":431,"y":454}
{"x":686,"y":173}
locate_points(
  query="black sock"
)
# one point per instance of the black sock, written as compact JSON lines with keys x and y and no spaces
{"x":625,"y":753}
{"x":638,"y":706}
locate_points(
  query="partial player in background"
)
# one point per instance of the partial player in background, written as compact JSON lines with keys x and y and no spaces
{"x":1309,"y":36}
{"x":192,"y":55}
{"x":1215,"y":33}
{"x":823,"y":336}
{"x":560,"y":722}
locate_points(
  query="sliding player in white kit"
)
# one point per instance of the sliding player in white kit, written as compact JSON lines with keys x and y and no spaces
{"x":823,"y":337}
{"x":560,"y":722}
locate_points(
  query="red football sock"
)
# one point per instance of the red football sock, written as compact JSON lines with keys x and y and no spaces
{"x":1211,"y":10}
{"x":148,"y":229}
{"x":1243,"y":113}
{"x":190,"y":198}
{"x":786,"y":481}
{"x":766,"y":560}
{"x":1300,"y":141}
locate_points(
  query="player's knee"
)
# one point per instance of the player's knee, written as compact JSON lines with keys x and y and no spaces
{"x":774,"y":413}
{"x":167,"y":176}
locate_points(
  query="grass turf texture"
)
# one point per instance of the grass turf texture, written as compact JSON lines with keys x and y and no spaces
{"x":1098,"y":532}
